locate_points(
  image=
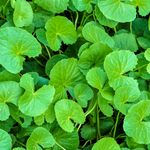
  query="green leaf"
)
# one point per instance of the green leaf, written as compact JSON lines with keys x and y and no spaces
{"x":5,"y":140}
{"x":56,"y":6}
{"x":94,"y":56}
{"x":148,"y":68}
{"x":34,"y":103}
{"x":94,"y":33}
{"x":67,"y":110}
{"x":149,"y":23}
{"x":40,"y":136}
{"x":7,"y":76}
{"x":65,"y":75}
{"x":10,"y":93}
{"x":116,"y":64}
{"x":134,"y":124}
{"x":18,"y":148}
{"x":23,"y":14}
{"x":117,"y":10}
{"x":144,"y":95}
{"x":82,"y":5}
{"x":52,"y":61}
{"x":14,"y":48}
{"x":143,"y":5}
{"x":107,"y":144}
{"x":124,"y":98}
{"x":96,"y":77}
{"x":104,"y":106}
{"x":83,"y":93}
{"x":59,"y":29}
{"x":103,"y":20}
{"x":126,"y":41}
{"x":143,"y":42}
{"x":147,"y":54}
{"x":69,"y":141}
{"x":88,"y":132}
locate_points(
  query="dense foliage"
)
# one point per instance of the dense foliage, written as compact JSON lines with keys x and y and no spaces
{"x":74,"y":75}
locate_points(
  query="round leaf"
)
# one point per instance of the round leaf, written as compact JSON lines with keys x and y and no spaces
{"x":59,"y":29}
{"x":34,"y":103}
{"x":14,"y":48}
{"x":23,"y":14}
{"x":56,"y":6}
{"x":83,"y":93}
{"x":5,"y":140}
{"x":10,"y":93}
{"x":107,"y":144}
{"x":123,"y":95}
{"x":66,"y":110}
{"x":135,"y":125}
{"x":117,"y":10}
{"x":40,"y":136}
{"x":94,"y":33}
{"x":147,"y":54}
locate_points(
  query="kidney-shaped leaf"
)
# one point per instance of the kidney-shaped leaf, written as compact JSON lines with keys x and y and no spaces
{"x":83,"y":93}
{"x":10,"y":92}
{"x":23,"y":14}
{"x":5,"y":140}
{"x":135,"y":125}
{"x":60,"y":29}
{"x":40,"y":136}
{"x":117,"y":10}
{"x":106,"y":144}
{"x":94,"y":33}
{"x":15,"y":44}
{"x":34,"y":103}
{"x":56,"y":6}
{"x":66,"y":111}
{"x":123,"y":95}
{"x":147,"y":54}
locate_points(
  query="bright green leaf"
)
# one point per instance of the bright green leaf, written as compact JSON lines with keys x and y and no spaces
{"x":124,"y":98}
{"x":18,"y":148}
{"x":106,"y":144}
{"x":40,"y":136}
{"x":147,"y":54}
{"x":94,"y":33}
{"x":143,"y":42}
{"x":117,"y":10}
{"x":23,"y":14}
{"x":14,"y":48}
{"x":83,"y":93}
{"x":67,"y":110}
{"x":59,"y":29}
{"x":34,"y":103}
{"x":135,"y":125}
{"x":5,"y":140}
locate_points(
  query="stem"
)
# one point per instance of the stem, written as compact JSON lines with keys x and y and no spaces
{"x":115,"y":30}
{"x":79,"y":127}
{"x":76,"y":21}
{"x":59,"y":146}
{"x":99,"y":133}
{"x":39,"y":62}
{"x":114,"y":134}
{"x":35,"y":32}
{"x":85,"y":144}
{"x":49,"y":55}
{"x":87,"y":18}
{"x":91,"y":109}
{"x":140,"y":67}
{"x":94,"y":16}
{"x":21,"y":143}
{"x":4,"y":9}
{"x":83,"y":18}
{"x":44,"y":56}
{"x":131,"y":27}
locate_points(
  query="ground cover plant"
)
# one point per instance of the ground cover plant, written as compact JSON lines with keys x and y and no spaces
{"x":74,"y":75}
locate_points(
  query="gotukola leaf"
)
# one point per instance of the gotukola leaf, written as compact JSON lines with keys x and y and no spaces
{"x":56,"y":6}
{"x":14,"y":48}
{"x":147,"y":54}
{"x":143,"y":42}
{"x":135,"y":124}
{"x":5,"y":140}
{"x":117,"y":10}
{"x":107,"y":144}
{"x":34,"y":103}
{"x":124,"y":98}
{"x":10,"y":93}
{"x":40,"y":137}
{"x":94,"y":33}
{"x":23,"y":14}
{"x":59,"y":29}
{"x":66,"y":111}
{"x":83,"y":93}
